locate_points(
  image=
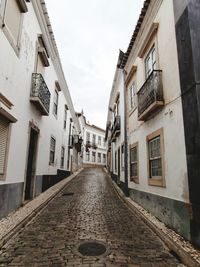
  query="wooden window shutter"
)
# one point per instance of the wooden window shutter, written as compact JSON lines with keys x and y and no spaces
{"x":4,"y":129}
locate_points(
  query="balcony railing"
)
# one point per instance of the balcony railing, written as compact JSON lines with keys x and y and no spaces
{"x":115,"y":130}
{"x":150,"y":96}
{"x":40,"y":94}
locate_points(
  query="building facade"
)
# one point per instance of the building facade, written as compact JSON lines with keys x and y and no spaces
{"x":94,"y":147}
{"x":115,"y":129}
{"x":161,"y":73}
{"x":37,"y":117}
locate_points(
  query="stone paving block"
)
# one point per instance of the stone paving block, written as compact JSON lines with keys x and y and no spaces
{"x":93,"y":212}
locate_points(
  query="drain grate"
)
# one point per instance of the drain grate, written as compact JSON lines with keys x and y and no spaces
{"x":92,"y":248}
{"x":68,"y":194}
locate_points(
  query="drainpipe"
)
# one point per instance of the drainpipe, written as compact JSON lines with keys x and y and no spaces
{"x":126,"y":190}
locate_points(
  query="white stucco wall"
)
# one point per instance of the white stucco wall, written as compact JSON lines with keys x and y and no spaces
{"x":15,"y":84}
{"x":169,"y":118}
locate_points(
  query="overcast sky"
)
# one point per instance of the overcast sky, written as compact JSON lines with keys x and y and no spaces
{"x":89,"y":34}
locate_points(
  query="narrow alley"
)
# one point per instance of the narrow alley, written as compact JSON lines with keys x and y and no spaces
{"x":88,"y":209}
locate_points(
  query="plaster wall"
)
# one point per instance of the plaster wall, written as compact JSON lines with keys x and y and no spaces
{"x":170,"y":118}
{"x":15,"y":84}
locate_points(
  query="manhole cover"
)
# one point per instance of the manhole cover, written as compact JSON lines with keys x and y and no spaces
{"x":68,"y":194}
{"x":92,"y":248}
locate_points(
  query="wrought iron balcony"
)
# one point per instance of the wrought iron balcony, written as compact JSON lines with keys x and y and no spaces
{"x":150,"y":96}
{"x":116,"y":128}
{"x":40,"y":95}
{"x":71,"y":141}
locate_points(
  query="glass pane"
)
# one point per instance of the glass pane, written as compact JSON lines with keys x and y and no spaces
{"x":133,"y":169}
{"x":156,"y":167}
{"x":154,"y":148}
{"x":133,"y":154}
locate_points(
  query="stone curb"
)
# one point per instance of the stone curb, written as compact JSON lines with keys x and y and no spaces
{"x":185,"y":257}
{"x":12,"y":224}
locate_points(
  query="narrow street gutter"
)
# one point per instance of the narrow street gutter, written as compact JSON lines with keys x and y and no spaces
{"x":12,"y":224}
{"x":186,"y":252}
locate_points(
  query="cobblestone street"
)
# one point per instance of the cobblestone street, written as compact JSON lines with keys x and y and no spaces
{"x":87,"y":209}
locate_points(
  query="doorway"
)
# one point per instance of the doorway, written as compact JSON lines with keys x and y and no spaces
{"x":118,"y":169}
{"x":31,"y":164}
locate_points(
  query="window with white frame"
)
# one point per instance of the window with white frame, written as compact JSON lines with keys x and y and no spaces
{"x":134,"y":162}
{"x":62,"y":157}
{"x":155,"y":158}
{"x":87,"y":137}
{"x":93,"y":156}
{"x":55,"y":103}
{"x":155,"y":165}
{"x":11,"y":13}
{"x":52,"y":151}
{"x":133,"y":96}
{"x":99,"y":140}
{"x":104,"y":158}
{"x":99,"y":157}
{"x":150,"y":61}
{"x":104,"y":142}
{"x":65,"y":118}
{"x":88,"y":156}
{"x":94,"y":138}
{"x":4,"y":133}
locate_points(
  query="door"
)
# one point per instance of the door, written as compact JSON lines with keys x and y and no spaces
{"x":31,"y":164}
{"x":118,"y":169}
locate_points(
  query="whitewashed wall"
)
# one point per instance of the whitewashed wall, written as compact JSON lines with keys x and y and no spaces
{"x":15,"y":84}
{"x":169,"y":118}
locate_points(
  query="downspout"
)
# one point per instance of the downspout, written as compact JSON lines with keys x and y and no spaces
{"x":126,"y":192}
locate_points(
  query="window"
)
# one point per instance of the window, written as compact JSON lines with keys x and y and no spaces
{"x":55,"y":103}
{"x":88,"y":156}
{"x":150,"y":61}
{"x":87,"y":137}
{"x":11,"y":15}
{"x":115,"y":161}
{"x":134,"y":163}
{"x":93,"y":138}
{"x":99,"y":140}
{"x":65,"y":118}
{"x":99,"y":157}
{"x":133,"y":96}
{"x":62,"y":157}
{"x":52,"y":151}
{"x":104,"y":158}
{"x":93,"y":156}
{"x":155,"y":158}
{"x":122,"y":157}
{"x":4,"y":133}
{"x":104,"y":142}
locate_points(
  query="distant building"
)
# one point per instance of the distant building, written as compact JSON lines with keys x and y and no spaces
{"x":37,"y":117}
{"x":161,"y":72}
{"x":94,"y":147}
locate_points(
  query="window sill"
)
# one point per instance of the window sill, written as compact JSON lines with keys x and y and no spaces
{"x":3,"y":177}
{"x":135,"y":180}
{"x":156,"y":182}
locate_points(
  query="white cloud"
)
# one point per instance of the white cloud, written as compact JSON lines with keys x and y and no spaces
{"x":89,"y":35}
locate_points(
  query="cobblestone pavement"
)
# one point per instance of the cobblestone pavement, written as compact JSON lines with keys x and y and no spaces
{"x":93,"y":212}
